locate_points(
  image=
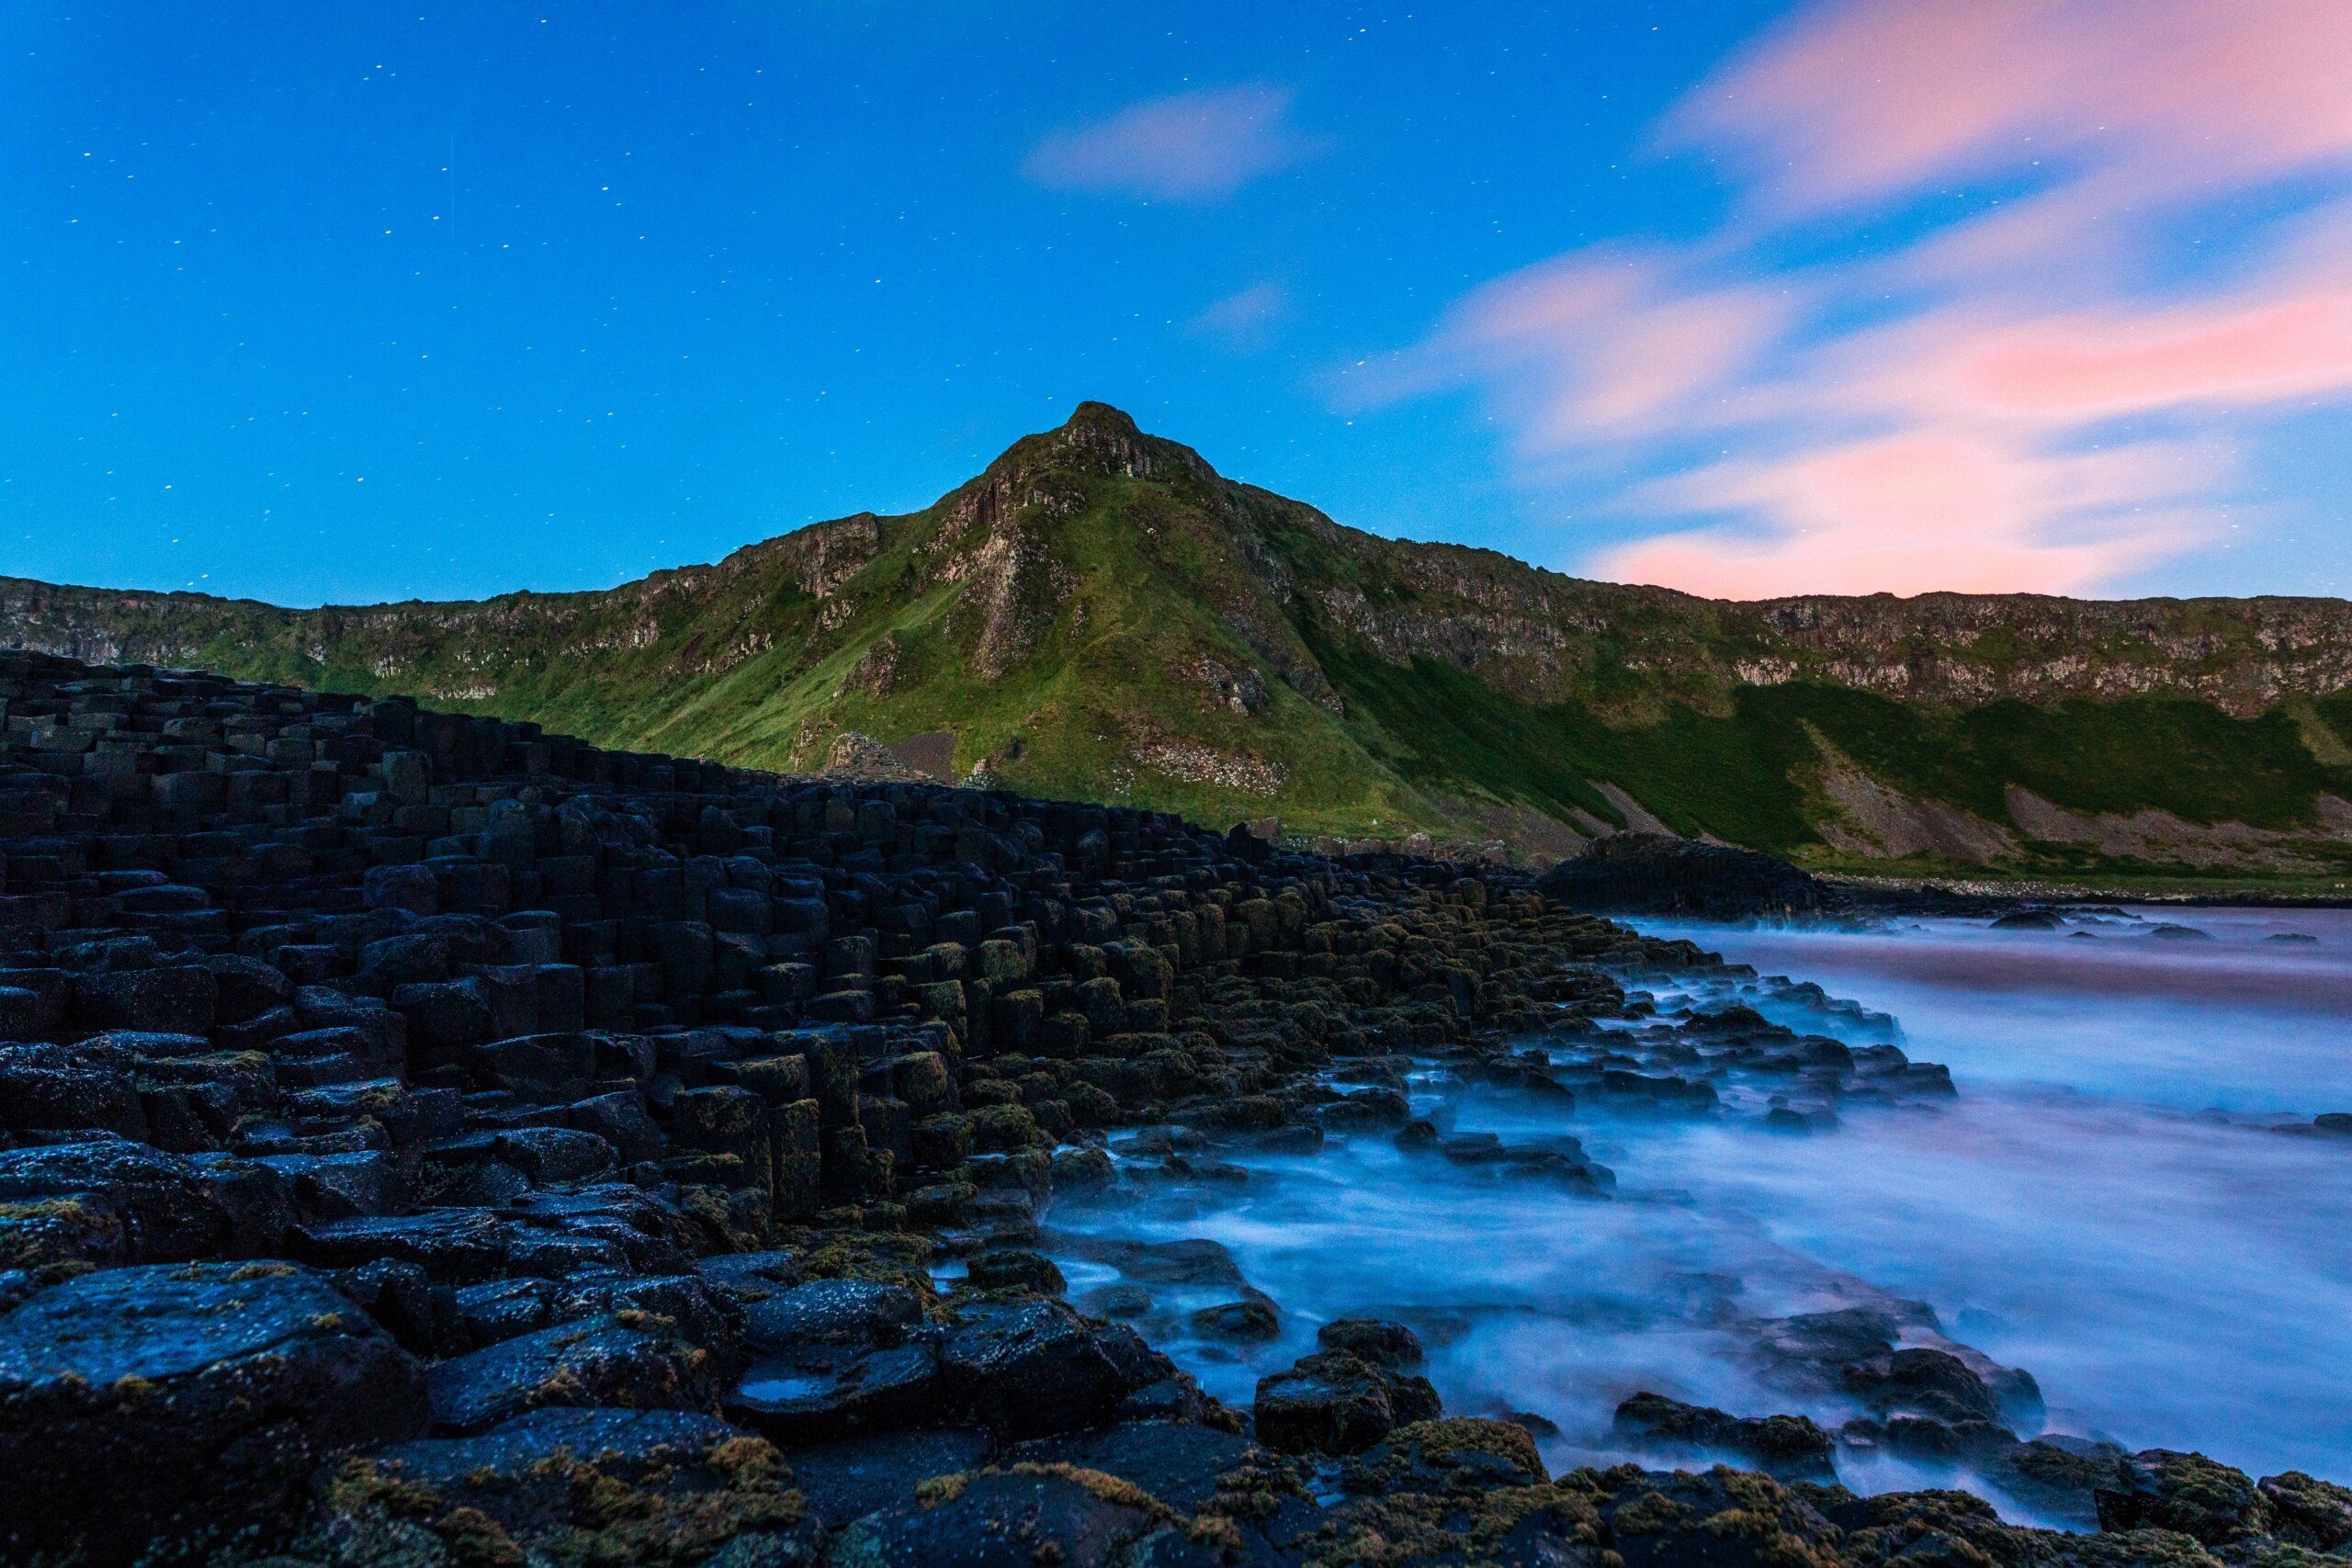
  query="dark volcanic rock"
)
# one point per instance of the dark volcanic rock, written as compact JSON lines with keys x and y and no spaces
{"x":2308,"y":1512}
{"x":149,"y":1404}
{"x":1922,"y":1382}
{"x":2159,"y":1489}
{"x":451,"y":1246}
{"x":857,"y":1312}
{"x":856,"y":1476}
{"x":835,"y":1357}
{"x":599,"y":1360}
{"x":1649,"y":873}
{"x":1018,"y":1518}
{"x":1247,"y":1320}
{"x":816,"y":1392}
{"x":1016,"y":1269}
{"x":1027,"y":1368}
{"x":1463,"y":1456}
{"x":655,"y":1488}
{"x":1334,"y":1403}
{"x":113,"y":1200}
{"x":1720,"y":1519}
{"x":1381,"y":1343}
{"x":2059,"y":1478}
{"x":1790,"y":1446}
{"x":1181,"y":1465}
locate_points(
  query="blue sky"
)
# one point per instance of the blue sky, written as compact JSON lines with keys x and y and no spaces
{"x":354,"y":302}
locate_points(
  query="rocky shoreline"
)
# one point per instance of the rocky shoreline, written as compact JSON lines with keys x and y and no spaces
{"x":427,"y":1140}
{"x":1653,"y":874}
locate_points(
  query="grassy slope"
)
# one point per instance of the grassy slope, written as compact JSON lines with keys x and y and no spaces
{"x":1745,"y":776}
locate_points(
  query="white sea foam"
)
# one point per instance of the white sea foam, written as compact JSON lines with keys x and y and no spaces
{"x":2107,"y":1203}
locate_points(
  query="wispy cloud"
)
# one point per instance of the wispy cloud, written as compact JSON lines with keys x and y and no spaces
{"x":1602,"y":344}
{"x":1865,"y":99}
{"x":1924,"y":508}
{"x":1246,"y":318}
{"x":1197,"y":146}
{"x":2042,"y":395}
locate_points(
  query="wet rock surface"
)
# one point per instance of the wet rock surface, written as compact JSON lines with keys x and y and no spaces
{"x":1790,"y":1446}
{"x":429,"y":1141}
{"x":162,"y":1401}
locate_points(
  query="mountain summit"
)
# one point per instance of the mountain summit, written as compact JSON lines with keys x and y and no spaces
{"x":1100,"y":613}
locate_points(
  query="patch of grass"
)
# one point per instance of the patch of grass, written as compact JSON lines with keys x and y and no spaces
{"x":1741,"y":775}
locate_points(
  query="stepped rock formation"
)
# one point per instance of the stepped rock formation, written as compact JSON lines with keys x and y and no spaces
{"x":426,"y":1140}
{"x":1101,"y":615}
{"x":381,"y":1079}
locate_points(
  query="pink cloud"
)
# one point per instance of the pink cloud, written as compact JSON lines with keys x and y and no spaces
{"x":1944,"y":415}
{"x":1602,"y":340}
{"x":2295,"y":342}
{"x":1658,"y":357}
{"x":1992,"y":355}
{"x":1924,"y":510}
{"x":1869,"y":98}
{"x":1194,"y":146}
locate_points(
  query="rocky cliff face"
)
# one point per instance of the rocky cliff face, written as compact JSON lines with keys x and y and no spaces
{"x":1101,"y":614}
{"x":2243,"y":655}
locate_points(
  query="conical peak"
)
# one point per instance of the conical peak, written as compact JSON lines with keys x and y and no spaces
{"x":1099,"y":439}
{"x":1092,"y":415}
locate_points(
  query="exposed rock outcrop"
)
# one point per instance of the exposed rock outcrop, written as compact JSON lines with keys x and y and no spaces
{"x":1652,"y":874}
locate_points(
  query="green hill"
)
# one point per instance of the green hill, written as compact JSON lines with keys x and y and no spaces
{"x":1099,"y":615}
